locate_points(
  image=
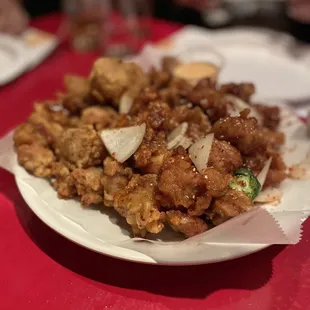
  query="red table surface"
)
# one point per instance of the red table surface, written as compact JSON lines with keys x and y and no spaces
{"x":42,"y":270}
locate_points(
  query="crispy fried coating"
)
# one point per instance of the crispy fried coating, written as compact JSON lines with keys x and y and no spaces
{"x":201,"y":205}
{"x":243,"y":133}
{"x":81,"y":148}
{"x":137,"y":203}
{"x":198,"y":122}
{"x":228,"y":206}
{"x":242,"y":90}
{"x":224,"y":157}
{"x":88,"y":185}
{"x":63,"y":181}
{"x":152,"y":152}
{"x":186,"y":224}
{"x":116,"y":177}
{"x":99,"y":117}
{"x":36,"y":159}
{"x":216,"y":182}
{"x":77,"y":85}
{"x":111,"y":77}
{"x":179,"y":183}
{"x":27,"y":133}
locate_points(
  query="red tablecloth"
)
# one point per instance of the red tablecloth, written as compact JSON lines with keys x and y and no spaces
{"x":39,"y":269}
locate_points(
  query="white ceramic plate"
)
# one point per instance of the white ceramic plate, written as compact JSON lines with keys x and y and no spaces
{"x":19,"y":54}
{"x":243,"y":61}
{"x":12,"y":62}
{"x":202,"y":254}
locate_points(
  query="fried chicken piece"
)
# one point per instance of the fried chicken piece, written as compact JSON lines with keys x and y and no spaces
{"x":201,"y":205}
{"x":36,"y":159}
{"x":255,"y":162}
{"x":111,"y":77}
{"x":99,"y":117}
{"x":152,"y":152}
{"x":137,"y":203}
{"x":81,"y":148}
{"x":48,"y":125}
{"x":179,"y":183}
{"x":198,"y":122}
{"x":278,"y":170}
{"x":116,"y":177}
{"x":176,"y":92}
{"x":242,"y":90}
{"x":186,"y":224}
{"x":241,"y":132}
{"x":158,"y":79}
{"x":155,"y":115}
{"x":216,"y":182}
{"x":137,"y":80}
{"x":78,"y":94}
{"x":63,"y":182}
{"x":228,"y":206}
{"x":224,"y":157}
{"x":52,"y":111}
{"x":169,"y":63}
{"x":146,"y":96}
{"x":77,"y":85}
{"x":27,"y":134}
{"x":271,"y":116}
{"x":74,"y":103}
{"x":204,"y":93}
{"x":88,"y":185}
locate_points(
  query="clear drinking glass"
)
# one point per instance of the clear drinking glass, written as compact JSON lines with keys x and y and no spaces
{"x":84,"y":18}
{"x":125,"y":27}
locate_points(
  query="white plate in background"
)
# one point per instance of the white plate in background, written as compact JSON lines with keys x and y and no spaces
{"x":19,"y":54}
{"x":12,"y":62}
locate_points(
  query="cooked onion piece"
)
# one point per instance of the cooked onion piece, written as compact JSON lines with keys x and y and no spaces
{"x":199,"y":152}
{"x":186,"y":142}
{"x":125,"y":103}
{"x":269,"y":195}
{"x":176,"y":136}
{"x":121,"y":143}
{"x":238,"y":105}
{"x":261,"y":177}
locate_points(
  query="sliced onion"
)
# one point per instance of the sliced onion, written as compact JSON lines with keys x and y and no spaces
{"x":186,"y":142}
{"x":121,"y":143}
{"x":176,"y":135}
{"x":269,"y":195}
{"x":261,"y":177}
{"x":239,"y":105}
{"x":200,"y":151}
{"x":125,"y":103}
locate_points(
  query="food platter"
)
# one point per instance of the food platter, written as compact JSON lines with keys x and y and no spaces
{"x":74,"y":232}
{"x":101,"y":231}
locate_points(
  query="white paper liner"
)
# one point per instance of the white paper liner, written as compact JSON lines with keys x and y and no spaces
{"x":262,"y":225}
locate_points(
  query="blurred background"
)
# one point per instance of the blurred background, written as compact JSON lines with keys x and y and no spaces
{"x":291,"y":15}
{"x":122,"y":24}
{"x":277,"y":14}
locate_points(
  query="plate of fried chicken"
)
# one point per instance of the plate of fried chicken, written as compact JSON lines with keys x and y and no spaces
{"x":151,"y":155}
